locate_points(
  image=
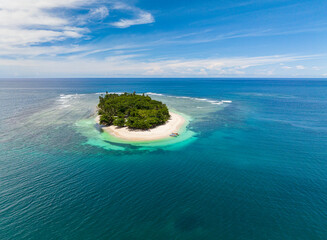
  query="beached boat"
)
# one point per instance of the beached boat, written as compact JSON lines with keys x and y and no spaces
{"x":174,"y":135}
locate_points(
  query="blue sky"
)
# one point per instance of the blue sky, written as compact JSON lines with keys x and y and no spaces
{"x":110,"y":38}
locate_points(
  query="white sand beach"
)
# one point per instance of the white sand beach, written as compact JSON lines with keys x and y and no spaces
{"x":163,"y":131}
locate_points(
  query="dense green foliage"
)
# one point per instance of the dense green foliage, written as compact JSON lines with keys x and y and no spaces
{"x":132,"y":110}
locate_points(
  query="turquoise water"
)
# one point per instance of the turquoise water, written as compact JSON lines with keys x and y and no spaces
{"x":251,"y":163}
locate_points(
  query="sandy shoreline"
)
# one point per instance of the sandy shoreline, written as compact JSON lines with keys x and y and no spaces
{"x":163,"y":131}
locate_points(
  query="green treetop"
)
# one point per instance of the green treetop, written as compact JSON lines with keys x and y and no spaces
{"x":131,"y":110}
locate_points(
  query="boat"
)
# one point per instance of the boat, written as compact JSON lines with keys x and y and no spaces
{"x":174,"y":135}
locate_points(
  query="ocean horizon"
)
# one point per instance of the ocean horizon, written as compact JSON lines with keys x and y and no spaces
{"x":251,"y":163}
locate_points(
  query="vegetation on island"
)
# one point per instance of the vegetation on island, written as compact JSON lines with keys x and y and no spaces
{"x":131,"y":110}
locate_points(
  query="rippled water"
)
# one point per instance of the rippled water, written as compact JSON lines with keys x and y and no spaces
{"x":251,"y":164}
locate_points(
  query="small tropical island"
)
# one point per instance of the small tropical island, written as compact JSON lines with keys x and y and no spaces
{"x":135,"y":117}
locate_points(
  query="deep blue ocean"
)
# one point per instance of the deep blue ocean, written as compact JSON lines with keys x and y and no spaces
{"x":253,"y":164}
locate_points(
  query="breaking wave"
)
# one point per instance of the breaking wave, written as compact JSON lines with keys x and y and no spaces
{"x":214,"y":102}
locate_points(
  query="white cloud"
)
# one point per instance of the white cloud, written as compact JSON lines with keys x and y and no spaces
{"x":27,"y":22}
{"x":96,"y":14}
{"x":140,"y":16}
{"x":286,"y":67}
{"x":128,"y":65}
{"x":25,"y":25}
{"x":99,"y":13}
{"x":33,"y":22}
{"x":12,"y":37}
{"x":36,"y":51}
{"x":300,"y":67}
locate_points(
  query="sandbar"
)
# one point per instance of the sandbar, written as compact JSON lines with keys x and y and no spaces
{"x":173,"y":125}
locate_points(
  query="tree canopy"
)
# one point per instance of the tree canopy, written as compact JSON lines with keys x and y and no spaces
{"x":131,"y":110}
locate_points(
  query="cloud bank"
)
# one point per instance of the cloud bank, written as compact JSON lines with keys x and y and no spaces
{"x":128,"y":66}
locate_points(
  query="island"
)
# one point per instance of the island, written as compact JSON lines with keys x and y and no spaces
{"x":134,"y":117}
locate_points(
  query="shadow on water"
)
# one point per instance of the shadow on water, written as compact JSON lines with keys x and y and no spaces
{"x":125,"y":145}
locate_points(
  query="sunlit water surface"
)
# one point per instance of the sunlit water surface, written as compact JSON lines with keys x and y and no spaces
{"x":250,"y":164}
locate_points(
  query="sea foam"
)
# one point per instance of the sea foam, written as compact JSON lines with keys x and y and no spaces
{"x":214,"y":102}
